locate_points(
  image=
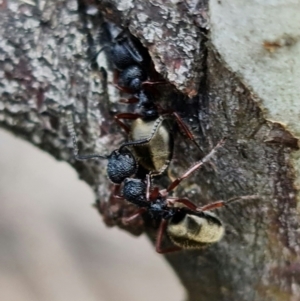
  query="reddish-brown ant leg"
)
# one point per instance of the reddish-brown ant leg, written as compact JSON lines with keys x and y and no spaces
{"x":195,"y":167}
{"x":115,"y":77}
{"x":134,"y":216}
{"x":131,"y":116}
{"x":180,"y":123}
{"x":222,"y":203}
{"x":160,"y":233}
{"x":154,"y":194}
{"x":186,"y":130}
{"x":212,"y":206}
{"x":123,"y":89}
{"x":185,"y":202}
{"x":115,"y":194}
{"x":129,"y":100}
{"x":151,"y":195}
{"x":148,"y":187}
{"x":145,"y":83}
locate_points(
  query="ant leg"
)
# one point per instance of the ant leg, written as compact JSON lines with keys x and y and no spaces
{"x":195,"y":166}
{"x":212,"y":206}
{"x":154,"y":194}
{"x":151,"y":195}
{"x":222,"y":203}
{"x":161,"y":231}
{"x":181,"y":124}
{"x":185,"y":202}
{"x":129,"y":100}
{"x":148,"y":179}
{"x":134,"y":216}
{"x":185,"y":129}
{"x":131,"y":116}
{"x":116,"y":80}
{"x":115,"y":194}
{"x":145,"y":83}
{"x":122,"y":89}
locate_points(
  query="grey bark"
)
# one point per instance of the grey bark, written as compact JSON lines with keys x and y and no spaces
{"x":46,"y":73}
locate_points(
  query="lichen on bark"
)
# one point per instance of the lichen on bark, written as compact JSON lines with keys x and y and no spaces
{"x":46,"y":70}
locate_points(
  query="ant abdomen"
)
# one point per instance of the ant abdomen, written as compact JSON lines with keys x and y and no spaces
{"x":194,"y":230}
{"x":157,"y":153}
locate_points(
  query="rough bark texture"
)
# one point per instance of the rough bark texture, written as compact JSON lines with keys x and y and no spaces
{"x":45,"y":72}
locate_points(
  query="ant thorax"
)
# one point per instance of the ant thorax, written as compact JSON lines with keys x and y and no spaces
{"x":159,"y":210}
{"x":134,"y":191}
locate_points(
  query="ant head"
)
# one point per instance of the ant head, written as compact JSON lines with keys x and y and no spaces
{"x":134,"y":191}
{"x":121,"y":165}
{"x":190,"y":230}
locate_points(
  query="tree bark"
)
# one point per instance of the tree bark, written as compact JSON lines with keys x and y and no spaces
{"x":234,"y":75}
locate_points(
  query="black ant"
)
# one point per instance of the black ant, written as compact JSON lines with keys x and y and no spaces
{"x":188,"y":226}
{"x":131,"y":60}
{"x":128,"y":54}
{"x":121,"y":164}
{"x":151,"y":137}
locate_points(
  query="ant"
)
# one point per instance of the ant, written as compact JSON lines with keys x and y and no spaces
{"x":121,"y":164}
{"x":128,"y":54}
{"x":188,"y":226}
{"x":131,"y":60}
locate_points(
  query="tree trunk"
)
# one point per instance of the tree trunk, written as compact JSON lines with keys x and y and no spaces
{"x":234,"y":75}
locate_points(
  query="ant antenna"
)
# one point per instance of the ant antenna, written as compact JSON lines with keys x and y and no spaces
{"x":71,"y":130}
{"x":94,"y":58}
{"x":156,"y":126}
